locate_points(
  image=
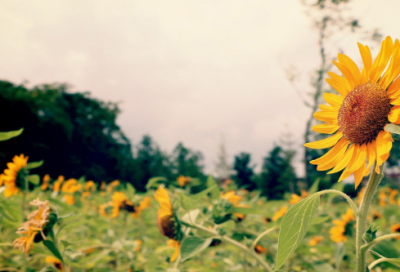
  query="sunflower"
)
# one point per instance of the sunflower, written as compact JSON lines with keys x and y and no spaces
{"x":342,"y":227}
{"x":392,"y":195}
{"x":45,"y":184}
{"x":234,"y":199}
{"x":55,"y":262}
{"x":167,"y":222}
{"x":314,"y":241}
{"x":368,"y":100}
{"x":13,"y":176}
{"x":70,"y":187}
{"x":57,"y":184}
{"x":112,"y":185}
{"x":280,"y":213}
{"x":396,"y":229}
{"x":382,"y":198}
{"x":360,"y":195}
{"x":35,"y":229}
{"x":182,"y":180}
{"x":260,"y":249}
{"x":296,"y":198}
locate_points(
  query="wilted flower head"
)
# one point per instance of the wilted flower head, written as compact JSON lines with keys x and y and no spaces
{"x":35,"y":229}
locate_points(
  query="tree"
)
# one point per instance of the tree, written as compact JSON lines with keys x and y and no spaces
{"x":150,"y":162}
{"x":244,"y":172}
{"x":277,"y":174}
{"x":187,"y":162}
{"x":75,"y":134}
{"x":222,"y":168}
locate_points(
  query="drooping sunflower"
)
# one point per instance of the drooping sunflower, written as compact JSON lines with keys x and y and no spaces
{"x":342,"y":227}
{"x":167,"y":221}
{"x":38,"y":225}
{"x":396,"y":229}
{"x":13,"y":176}
{"x":368,"y":100}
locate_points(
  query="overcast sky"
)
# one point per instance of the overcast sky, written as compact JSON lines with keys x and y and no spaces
{"x":190,"y":71}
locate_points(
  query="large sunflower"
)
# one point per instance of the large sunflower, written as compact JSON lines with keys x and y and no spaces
{"x":368,"y":100}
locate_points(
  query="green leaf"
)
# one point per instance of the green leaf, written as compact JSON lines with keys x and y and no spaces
{"x":215,"y":192}
{"x":154,"y":182}
{"x":319,"y":220}
{"x":314,"y":187}
{"x":186,"y":202}
{"x":193,"y":245}
{"x":340,"y":251}
{"x":203,"y":193}
{"x":4,"y":136}
{"x":66,"y":243}
{"x":33,"y":165}
{"x":50,"y":245}
{"x":392,"y":128}
{"x":294,"y":226}
{"x":130,"y":190}
{"x":34,"y":179}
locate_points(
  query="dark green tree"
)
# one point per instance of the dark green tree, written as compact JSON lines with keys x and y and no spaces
{"x":150,"y":162}
{"x":244,"y":172}
{"x":277,"y":174}
{"x":187,"y":162}
{"x":75,"y":134}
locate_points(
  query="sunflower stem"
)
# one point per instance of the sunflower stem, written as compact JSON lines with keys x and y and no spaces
{"x":373,"y":183}
{"x":228,"y":240}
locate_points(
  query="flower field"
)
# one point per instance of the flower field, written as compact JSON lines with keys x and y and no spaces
{"x":110,"y":227}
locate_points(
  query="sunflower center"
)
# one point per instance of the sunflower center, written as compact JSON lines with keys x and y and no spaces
{"x":364,"y":113}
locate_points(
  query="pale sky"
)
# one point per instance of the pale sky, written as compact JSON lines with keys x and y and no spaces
{"x":189,"y":70}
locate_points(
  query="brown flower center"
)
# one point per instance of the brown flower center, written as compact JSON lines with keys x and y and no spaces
{"x":364,"y":113}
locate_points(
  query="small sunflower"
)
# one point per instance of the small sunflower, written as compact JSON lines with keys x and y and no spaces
{"x":13,"y":177}
{"x":235,"y":199}
{"x":112,"y":185}
{"x":57,"y":184}
{"x":260,"y":249}
{"x":314,"y":241}
{"x":342,"y":227}
{"x":368,"y":100}
{"x":182,"y":180}
{"x":296,"y":198}
{"x":396,"y":229}
{"x":55,"y":262}
{"x":39,"y":223}
{"x":70,"y":187}
{"x":45,"y":184}
{"x":392,"y":196}
{"x":167,"y":222}
{"x":280,"y":213}
{"x":360,"y":195}
{"x":382,"y":198}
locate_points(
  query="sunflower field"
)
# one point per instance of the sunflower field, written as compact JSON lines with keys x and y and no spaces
{"x":72,"y":224}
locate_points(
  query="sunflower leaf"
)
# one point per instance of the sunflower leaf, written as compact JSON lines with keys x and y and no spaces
{"x":294,"y":226}
{"x":34,"y":179}
{"x":192,"y":246}
{"x":53,"y":249}
{"x":4,"y":136}
{"x":154,"y":182}
{"x":392,"y":128}
{"x":33,"y":165}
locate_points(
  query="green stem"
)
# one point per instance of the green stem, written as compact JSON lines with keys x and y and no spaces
{"x":373,"y":183}
{"x":353,"y":206}
{"x":377,"y":240}
{"x":259,"y":237}
{"x":232,"y":242}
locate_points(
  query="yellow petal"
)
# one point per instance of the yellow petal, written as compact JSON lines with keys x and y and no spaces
{"x":367,"y":60}
{"x":326,"y":116}
{"x":333,"y":100}
{"x":381,"y":60}
{"x":359,"y":158}
{"x":393,"y":90}
{"x":325,"y":128}
{"x":347,"y":74}
{"x":345,"y":161}
{"x":352,"y":67}
{"x":325,"y":143}
{"x":358,"y":175}
{"x":394,"y":114}
{"x":342,"y":144}
{"x":394,"y":67}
